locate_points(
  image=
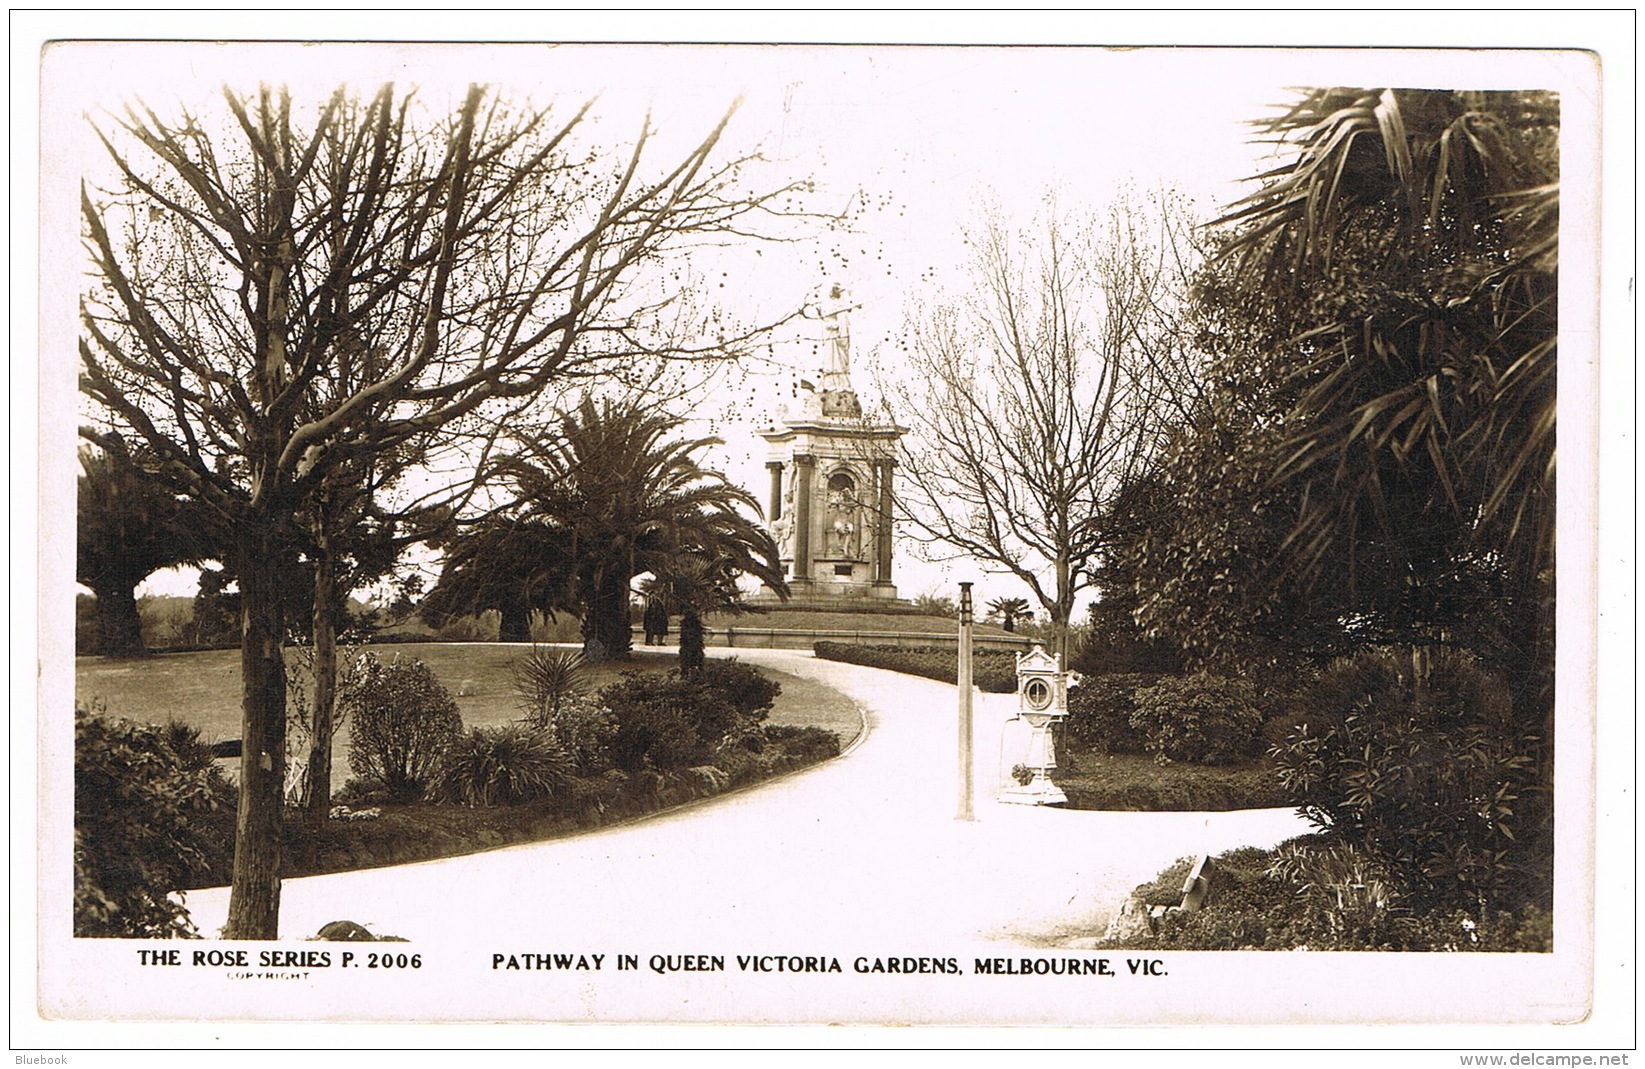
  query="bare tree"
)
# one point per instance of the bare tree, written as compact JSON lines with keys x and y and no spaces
{"x":1031,"y":397}
{"x":280,"y":295}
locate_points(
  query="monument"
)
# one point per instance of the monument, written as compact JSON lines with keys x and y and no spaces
{"x":831,"y":470}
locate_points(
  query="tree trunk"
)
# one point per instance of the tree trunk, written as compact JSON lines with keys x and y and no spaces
{"x":516,"y":623}
{"x":607,"y":631}
{"x":254,"y":900}
{"x":119,"y":627}
{"x":1064,"y":612}
{"x":323,"y":729}
{"x":691,"y":642}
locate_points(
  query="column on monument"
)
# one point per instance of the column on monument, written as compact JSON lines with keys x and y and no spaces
{"x":775,"y":512}
{"x":804,"y":477}
{"x":882,"y":540}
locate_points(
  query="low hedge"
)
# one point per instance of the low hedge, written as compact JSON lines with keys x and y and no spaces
{"x":993,"y":671}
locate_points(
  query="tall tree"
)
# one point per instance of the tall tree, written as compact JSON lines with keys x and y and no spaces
{"x":1376,"y":463}
{"x":629,"y":495}
{"x":129,"y":526}
{"x":240,"y":259}
{"x":1414,"y":234}
{"x":1033,"y":396}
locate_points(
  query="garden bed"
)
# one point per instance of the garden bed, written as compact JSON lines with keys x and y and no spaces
{"x":156,"y":809}
{"x":423,"y":831}
{"x":1256,"y":901}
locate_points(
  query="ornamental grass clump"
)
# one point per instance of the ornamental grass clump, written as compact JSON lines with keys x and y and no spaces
{"x":509,"y":765}
{"x":546,"y":679}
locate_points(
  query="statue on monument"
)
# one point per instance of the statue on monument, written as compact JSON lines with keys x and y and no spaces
{"x":782,"y":528}
{"x":835,"y":314}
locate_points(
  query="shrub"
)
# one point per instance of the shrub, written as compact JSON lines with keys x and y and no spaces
{"x":584,"y":728}
{"x":193,"y":752}
{"x":1166,"y":888}
{"x":931,"y":603}
{"x":1438,"y":787}
{"x":1255,"y":905}
{"x":138,"y":827}
{"x":676,"y":721}
{"x":665,"y":722}
{"x":1099,"y":713}
{"x":507,"y":765}
{"x":993,"y":671}
{"x":1200,"y":718}
{"x":749,"y":692}
{"x":403,"y":719}
{"x":545,"y":679}
{"x":804,"y":743}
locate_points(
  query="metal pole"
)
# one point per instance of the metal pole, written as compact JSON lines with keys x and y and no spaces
{"x":966,"y":762}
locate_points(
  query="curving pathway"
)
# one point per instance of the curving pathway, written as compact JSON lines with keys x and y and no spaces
{"x":860,"y":856}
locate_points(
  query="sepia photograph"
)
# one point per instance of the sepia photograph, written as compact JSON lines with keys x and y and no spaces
{"x":807,"y":532}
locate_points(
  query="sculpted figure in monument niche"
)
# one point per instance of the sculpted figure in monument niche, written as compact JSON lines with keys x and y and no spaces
{"x":843,"y":516}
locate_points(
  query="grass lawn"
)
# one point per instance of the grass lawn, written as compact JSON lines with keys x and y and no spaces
{"x":203,"y":689}
{"x":1134,"y":782}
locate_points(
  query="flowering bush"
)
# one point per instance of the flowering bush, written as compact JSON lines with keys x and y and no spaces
{"x":583,"y":727}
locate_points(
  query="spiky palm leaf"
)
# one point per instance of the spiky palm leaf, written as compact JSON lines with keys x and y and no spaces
{"x":1442,"y":209}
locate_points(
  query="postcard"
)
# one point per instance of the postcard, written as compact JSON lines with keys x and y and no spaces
{"x":792,"y":533}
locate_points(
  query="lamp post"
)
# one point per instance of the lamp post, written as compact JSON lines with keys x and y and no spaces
{"x":964,"y":681}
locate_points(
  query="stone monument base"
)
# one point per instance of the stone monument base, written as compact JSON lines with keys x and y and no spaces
{"x":820,"y":597}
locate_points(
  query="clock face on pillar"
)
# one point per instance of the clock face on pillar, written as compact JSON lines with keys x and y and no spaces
{"x":1037,"y":694}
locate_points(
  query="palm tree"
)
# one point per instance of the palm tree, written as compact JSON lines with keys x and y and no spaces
{"x":1430,"y":219}
{"x":1009,"y":610}
{"x":1413,"y":240}
{"x":628,"y":496}
{"x":129,"y":527}
{"x":514,"y":565}
{"x":703,"y":581}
